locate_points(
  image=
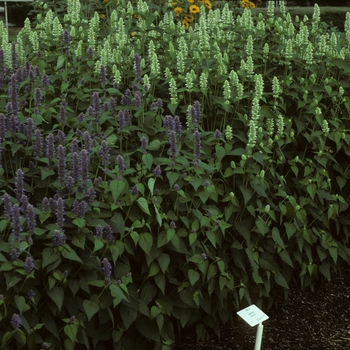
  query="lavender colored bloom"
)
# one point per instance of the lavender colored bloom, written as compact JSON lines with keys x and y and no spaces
{"x":98,"y":181}
{"x":176,"y":188}
{"x":74,"y":147}
{"x":2,"y":126}
{"x":72,"y":319}
{"x":121,"y":164}
{"x":13,"y":123}
{"x":196,"y":113}
{"x":30,"y":294}
{"x":38,"y":146}
{"x":45,"y":345}
{"x":217,"y":134}
{"x":31,"y":218}
{"x":159,"y":103}
{"x":108,"y":233}
{"x":172,"y":141}
{"x":104,"y":153}
{"x":177,"y":125}
{"x":29,"y":265}
{"x":112,"y":106}
{"x":207,"y":183}
{"x":196,"y":164}
{"x":13,"y":93}
{"x":14,"y":254}
{"x":31,"y":74}
{"x":60,"y":137}
{"x":128,"y":275}
{"x":172,"y":225}
{"x":95,"y":104}
{"x":24,"y":202}
{"x":87,"y":141}
{"x":76,"y":166}
{"x":144,"y":144}
{"x":63,"y":112}
{"x":58,"y":238}
{"x":66,"y":38}
{"x":126,"y":98}
{"x":81,"y":117}
{"x":91,"y":195}
{"x":138,"y":99}
{"x":70,"y":183}
{"x":137,"y":66}
{"x":61,"y":152}
{"x":60,"y":212}
{"x":38,"y":99}
{"x":79,"y":208}
{"x":169,"y":123}
{"x":121,"y":120}
{"x":30,"y":127}
{"x":197,"y":144}
{"x":107,"y":271}
{"x":45,"y":81}
{"x":50,"y":147}
{"x":157,"y":171}
{"x":45,"y":205}
{"x":103,"y":75}
{"x":37,"y":71}
{"x":99,"y":232}
{"x":90,"y":111}
{"x":16,"y":223}
{"x":16,"y":322}
{"x":90,"y":53}
{"x":53,"y":204}
{"x":85,"y":161}
{"x":134,"y":190}
{"x":204,"y":256}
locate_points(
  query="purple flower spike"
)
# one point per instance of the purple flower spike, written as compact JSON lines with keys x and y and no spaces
{"x":60,"y":212}
{"x":37,"y":97}
{"x":16,"y":223}
{"x":204,"y":256}
{"x":197,"y":144}
{"x":157,"y":171}
{"x":14,"y":254}
{"x":19,"y":183}
{"x":217,"y":134}
{"x":95,"y":105}
{"x":16,"y":322}
{"x":137,"y":66}
{"x":38,"y":146}
{"x":107,"y":271}
{"x":29,"y":265}
{"x":50,"y":147}
{"x":103,"y":75}
{"x":144,"y":144}
{"x":61,"y":152}
{"x":58,"y":238}
{"x":99,"y":232}
{"x":121,"y":164}
{"x":104,"y":153}
{"x":108,"y":233}
{"x":31,"y":219}
{"x":172,"y":225}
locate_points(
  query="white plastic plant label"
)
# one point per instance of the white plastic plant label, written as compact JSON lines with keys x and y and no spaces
{"x":252,"y":315}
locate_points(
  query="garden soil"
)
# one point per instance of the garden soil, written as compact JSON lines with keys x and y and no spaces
{"x":317,"y":320}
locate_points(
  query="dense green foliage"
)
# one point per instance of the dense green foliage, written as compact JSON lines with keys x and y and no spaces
{"x":156,"y":178}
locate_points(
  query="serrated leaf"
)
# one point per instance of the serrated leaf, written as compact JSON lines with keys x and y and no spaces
{"x":146,"y":242}
{"x":147,"y":159}
{"x":164,"y":261}
{"x":60,"y":62}
{"x":98,"y":244}
{"x":193,"y":276}
{"x":192,"y":237}
{"x":45,"y":172}
{"x":117,"y":187}
{"x":70,"y":254}
{"x":143,"y":205}
{"x":57,"y":296}
{"x":71,"y":331}
{"x":49,"y":256}
{"x":80,"y":222}
{"x":128,"y":315}
{"x":90,"y":308}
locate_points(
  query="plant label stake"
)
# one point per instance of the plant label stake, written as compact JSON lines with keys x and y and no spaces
{"x":254,"y":316}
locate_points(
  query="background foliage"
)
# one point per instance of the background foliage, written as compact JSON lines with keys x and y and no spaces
{"x":156,"y":178}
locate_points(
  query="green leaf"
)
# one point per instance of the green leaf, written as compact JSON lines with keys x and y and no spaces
{"x":117,"y":187}
{"x":290,"y":229}
{"x":158,"y":216}
{"x":277,"y":238}
{"x":70,"y":254}
{"x":247,"y":194}
{"x":160,"y":281}
{"x":20,"y":303}
{"x":146,"y":242}
{"x":172,"y":177}
{"x":163,"y":261}
{"x":49,"y":256}
{"x":311,"y":190}
{"x":90,"y":308}
{"x":262,"y":226}
{"x":147,"y":159}
{"x":170,"y":233}
{"x":117,"y":292}
{"x":98,"y":244}
{"x":280,"y":280}
{"x":71,"y":331}
{"x":5,"y":339}
{"x":57,"y":295}
{"x":193,"y":276}
{"x":151,"y":183}
{"x":60,"y":61}
{"x":142,"y":203}
{"x":192,"y":237}
{"x":3,"y":225}
{"x":45,"y":172}
{"x":154,"y":145}
{"x":153,"y":270}
{"x":128,"y":315}
{"x":80,"y":222}
{"x":286,"y":258}
{"x":117,"y":250}
{"x":155,"y":311}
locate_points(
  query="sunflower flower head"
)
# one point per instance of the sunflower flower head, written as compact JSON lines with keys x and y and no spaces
{"x":208,"y":4}
{"x":178,"y":10}
{"x":185,"y":23}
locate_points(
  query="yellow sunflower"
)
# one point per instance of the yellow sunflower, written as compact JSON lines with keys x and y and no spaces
{"x":105,"y":1}
{"x":194,"y":9}
{"x":178,"y":11}
{"x":185,"y":23}
{"x":190,"y":1}
{"x":189,"y":18}
{"x":137,"y":16}
{"x":252,"y":5}
{"x":208,"y":4}
{"x":102,"y":16}
{"x":174,"y":3}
